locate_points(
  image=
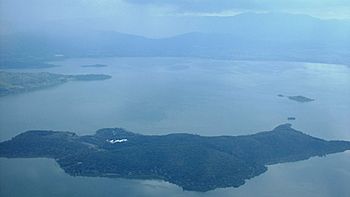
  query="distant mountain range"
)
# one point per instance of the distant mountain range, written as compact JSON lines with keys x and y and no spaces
{"x":191,"y":161}
{"x":247,"y":36}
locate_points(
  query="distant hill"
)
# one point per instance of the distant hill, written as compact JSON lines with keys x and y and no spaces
{"x":191,"y":161}
{"x":249,"y":36}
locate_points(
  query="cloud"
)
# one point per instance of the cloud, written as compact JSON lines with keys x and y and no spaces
{"x":196,"y":7}
{"x":153,"y":18}
{"x":219,"y":5}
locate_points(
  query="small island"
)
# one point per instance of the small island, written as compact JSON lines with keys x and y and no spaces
{"x":94,"y":66}
{"x":14,"y":82}
{"x":300,"y":99}
{"x":192,"y":162}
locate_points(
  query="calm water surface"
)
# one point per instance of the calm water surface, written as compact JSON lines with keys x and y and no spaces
{"x":164,"y":95}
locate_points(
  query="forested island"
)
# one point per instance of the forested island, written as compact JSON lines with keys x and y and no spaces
{"x":193,"y":162}
{"x":15,"y":82}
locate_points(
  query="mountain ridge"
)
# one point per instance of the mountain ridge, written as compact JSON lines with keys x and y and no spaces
{"x":242,"y":37}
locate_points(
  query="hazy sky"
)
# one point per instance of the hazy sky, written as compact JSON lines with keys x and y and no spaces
{"x":146,"y":16}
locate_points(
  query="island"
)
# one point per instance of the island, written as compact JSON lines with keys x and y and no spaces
{"x":193,"y":162}
{"x":300,"y":99}
{"x":15,"y":82}
{"x":94,"y":66}
{"x":291,"y":118}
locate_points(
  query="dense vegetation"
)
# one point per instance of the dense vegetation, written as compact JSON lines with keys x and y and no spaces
{"x":191,"y":161}
{"x":12,"y":83}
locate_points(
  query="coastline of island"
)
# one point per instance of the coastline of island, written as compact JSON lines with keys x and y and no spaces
{"x":193,"y":162}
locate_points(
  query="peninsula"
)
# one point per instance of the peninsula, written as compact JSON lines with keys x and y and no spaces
{"x":15,"y":82}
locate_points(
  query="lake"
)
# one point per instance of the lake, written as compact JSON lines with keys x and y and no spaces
{"x":202,"y":96}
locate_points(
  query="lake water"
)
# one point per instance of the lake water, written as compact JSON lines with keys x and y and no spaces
{"x":166,"y":95}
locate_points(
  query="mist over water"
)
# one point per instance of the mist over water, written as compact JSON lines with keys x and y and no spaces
{"x":207,"y":97}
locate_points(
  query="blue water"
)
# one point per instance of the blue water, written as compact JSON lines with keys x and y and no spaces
{"x":165,"y":95}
